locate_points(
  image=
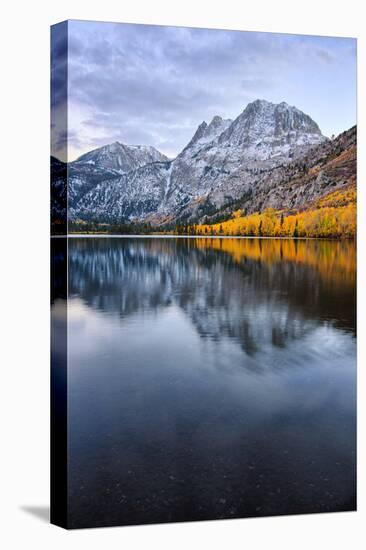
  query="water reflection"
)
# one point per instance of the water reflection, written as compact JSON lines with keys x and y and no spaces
{"x":225,"y":286}
{"x":210,"y":378}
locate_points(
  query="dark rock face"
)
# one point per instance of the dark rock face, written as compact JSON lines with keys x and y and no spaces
{"x":58,"y":177}
{"x":260,"y":159}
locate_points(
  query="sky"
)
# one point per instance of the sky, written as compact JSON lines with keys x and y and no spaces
{"x":151,"y":85}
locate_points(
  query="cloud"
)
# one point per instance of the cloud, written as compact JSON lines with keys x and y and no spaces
{"x":154,"y":85}
{"x":324,"y":55}
{"x":256,"y":84}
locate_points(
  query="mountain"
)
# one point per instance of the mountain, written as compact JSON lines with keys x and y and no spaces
{"x":247,"y":162}
{"x":206,"y":133}
{"x":264,"y":130}
{"x":328,"y":167}
{"x":105,"y":165}
{"x":58,"y":178}
{"x":130,"y":196}
{"x":263,"y":136}
{"x":120,"y":158}
{"x":296,"y":185}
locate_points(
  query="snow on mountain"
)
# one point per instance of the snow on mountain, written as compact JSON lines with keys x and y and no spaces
{"x":263,"y":136}
{"x":206,"y":133}
{"x":127,"y":197}
{"x":219,"y":164}
{"x":265,"y":128}
{"x":104,"y":165}
{"x":120,"y":157}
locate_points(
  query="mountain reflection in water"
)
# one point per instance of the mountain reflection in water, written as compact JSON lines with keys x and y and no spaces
{"x":210,"y":378}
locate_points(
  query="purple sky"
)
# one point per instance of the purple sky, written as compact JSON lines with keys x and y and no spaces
{"x":154,"y":85}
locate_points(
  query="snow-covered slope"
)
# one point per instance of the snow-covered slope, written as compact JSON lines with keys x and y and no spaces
{"x":206,"y":133}
{"x":222,"y":160}
{"x":105,"y":165}
{"x":120,"y":157}
{"x":265,"y":130}
{"x":129,"y":196}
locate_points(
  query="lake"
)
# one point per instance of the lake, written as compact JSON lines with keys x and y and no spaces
{"x":210,"y":378}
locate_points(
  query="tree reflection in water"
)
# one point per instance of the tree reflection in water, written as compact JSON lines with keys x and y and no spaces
{"x":210,"y":378}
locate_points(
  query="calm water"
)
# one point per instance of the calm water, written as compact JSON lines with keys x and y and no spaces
{"x":210,"y":378}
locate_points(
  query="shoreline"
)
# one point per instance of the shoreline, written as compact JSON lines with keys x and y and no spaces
{"x":162,"y":235}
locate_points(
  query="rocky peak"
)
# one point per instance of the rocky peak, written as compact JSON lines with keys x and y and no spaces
{"x":206,"y":133}
{"x":289,"y":119}
{"x":217,"y":126}
{"x":224,"y":160}
{"x":266,"y":123}
{"x":199,"y":133}
{"x":121,"y":158}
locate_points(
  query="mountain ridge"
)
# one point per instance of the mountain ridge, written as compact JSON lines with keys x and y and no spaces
{"x":225,"y":162}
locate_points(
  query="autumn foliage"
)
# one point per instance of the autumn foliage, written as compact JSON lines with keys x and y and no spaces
{"x":331,"y":216}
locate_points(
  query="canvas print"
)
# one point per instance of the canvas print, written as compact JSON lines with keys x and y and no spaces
{"x":203,"y":261}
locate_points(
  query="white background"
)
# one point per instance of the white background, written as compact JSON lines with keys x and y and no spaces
{"x":24,"y":184}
